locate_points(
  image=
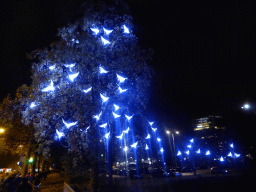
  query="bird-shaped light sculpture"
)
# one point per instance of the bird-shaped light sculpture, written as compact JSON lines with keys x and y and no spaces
{"x":146,"y":148}
{"x":120,"y":136}
{"x":154,"y":129}
{"x":49,"y":88}
{"x":107,"y":135}
{"x":60,"y":134}
{"x":87,"y":90}
{"x":126,"y":30}
{"x":148,"y":136}
{"x":115,"y":115}
{"x":207,"y":153}
{"x":102,"y":70}
{"x":134,"y":145}
{"x":32,"y":105}
{"x":107,"y":31}
{"x":158,"y":139}
{"x":73,"y":76}
{"x":95,"y":30}
{"x":128,"y":117}
{"x":97,"y":117}
{"x":126,"y":131}
{"x":68,"y":125}
{"x":104,"y":41}
{"x":120,"y":78}
{"x":179,"y":153}
{"x":116,"y":107}
{"x":150,"y":123}
{"x":162,"y":150}
{"x":121,"y":90}
{"x":104,"y":99}
{"x":198,"y":151}
{"x":103,"y":125}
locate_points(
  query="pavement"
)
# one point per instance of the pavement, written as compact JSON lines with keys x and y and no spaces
{"x":53,"y":183}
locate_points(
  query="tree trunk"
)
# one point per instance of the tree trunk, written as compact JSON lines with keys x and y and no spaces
{"x":24,"y":171}
{"x":34,"y":163}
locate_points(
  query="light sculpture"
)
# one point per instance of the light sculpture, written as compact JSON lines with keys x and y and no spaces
{"x":198,"y":151}
{"x":52,"y":67}
{"x":115,"y":115}
{"x":126,"y":30}
{"x":104,"y":99}
{"x":221,"y":159}
{"x":104,"y":41}
{"x":230,"y":154}
{"x":121,"y":90}
{"x":126,"y":131}
{"x":162,"y":150}
{"x":60,"y":134}
{"x":49,"y":88}
{"x":107,"y":31}
{"x":146,"y":148}
{"x":32,"y":105}
{"x":103,"y":125}
{"x":187,"y":152}
{"x":87,"y":90}
{"x":70,"y":66}
{"x":73,"y":76}
{"x":231,"y":145}
{"x":191,"y":140}
{"x":68,"y":125}
{"x":95,"y":30}
{"x":102,"y":70}
{"x":151,"y":123}
{"x":148,"y":136}
{"x":154,"y":129}
{"x":120,"y":136}
{"x":87,"y":129}
{"x":189,"y":146}
{"x":120,"y":78}
{"x":116,"y":107}
{"x":179,"y":153}
{"x":107,"y":135}
{"x":158,"y":139}
{"x":134,"y":145}
{"x":125,"y":148}
{"x":237,"y":155}
{"x":97,"y":117}
{"x":128,"y":117}
{"x":207,"y":153}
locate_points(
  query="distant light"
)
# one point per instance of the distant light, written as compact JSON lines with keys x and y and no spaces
{"x":231,"y":145}
{"x":151,"y":123}
{"x":104,"y":99}
{"x":154,"y":129}
{"x":177,"y":132}
{"x":158,"y":139}
{"x":104,"y":41}
{"x":95,"y":30}
{"x":179,"y":153}
{"x":187,"y":152}
{"x":97,"y":116}
{"x":237,"y":155}
{"x":73,"y":76}
{"x":126,"y":131}
{"x":32,"y":105}
{"x":246,"y":106}
{"x":207,"y":153}
{"x":102,"y":70}
{"x":121,"y":90}
{"x":107,"y":31}
{"x":52,"y":67}
{"x":199,"y":126}
{"x":134,"y":145}
{"x":189,"y":146}
{"x":103,"y":125}
{"x":168,"y":132}
{"x":221,"y":159}
{"x":230,"y":154}
{"x":126,"y":30}
{"x":146,"y":148}
{"x":115,"y":115}
{"x":120,"y":136}
{"x":68,"y":125}
{"x":198,"y":151}
{"x":87,"y":90}
{"x":116,"y":107}
{"x":120,"y":78}
{"x":148,"y":136}
{"x":128,"y":117}
{"x":191,"y":140}
{"x":162,"y":150}
{"x":60,"y":134}
{"x":125,"y":148}
{"x":70,"y":65}
{"x":107,"y":135}
{"x":49,"y":88}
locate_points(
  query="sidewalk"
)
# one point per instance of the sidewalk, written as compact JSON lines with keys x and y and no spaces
{"x":53,"y":183}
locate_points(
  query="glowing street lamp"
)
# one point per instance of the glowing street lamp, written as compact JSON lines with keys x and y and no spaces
{"x":1,"y":130}
{"x":246,"y":106}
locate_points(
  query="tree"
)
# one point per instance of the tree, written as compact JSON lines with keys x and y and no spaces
{"x":95,"y":64}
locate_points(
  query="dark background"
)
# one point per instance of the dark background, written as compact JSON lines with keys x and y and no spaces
{"x":204,"y":55}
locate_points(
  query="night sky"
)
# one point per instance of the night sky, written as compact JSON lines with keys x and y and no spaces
{"x":204,"y":54}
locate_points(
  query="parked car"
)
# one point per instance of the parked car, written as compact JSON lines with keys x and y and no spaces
{"x":219,"y":170}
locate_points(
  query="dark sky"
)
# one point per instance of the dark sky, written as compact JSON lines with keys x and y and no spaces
{"x":204,"y":52}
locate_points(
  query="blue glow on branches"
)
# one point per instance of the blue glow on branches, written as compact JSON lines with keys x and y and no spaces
{"x":104,"y":41}
{"x":97,"y":117}
{"x":95,"y":30}
{"x":121,"y":90}
{"x":87,"y":90}
{"x":126,"y":131}
{"x":102,"y":70}
{"x":125,"y":148}
{"x":103,"y":125}
{"x":32,"y":105}
{"x":120,"y":78}
{"x":73,"y":76}
{"x":49,"y":88}
{"x":116,"y":107}
{"x":231,"y":145}
{"x":146,"y":148}
{"x":68,"y":125}
{"x":179,"y":153}
{"x":107,"y":31}
{"x":198,"y":151}
{"x":148,"y":136}
{"x":115,"y":115}
{"x":158,"y":139}
{"x":187,"y":152}
{"x":207,"y":153}
{"x":162,"y":150}
{"x":104,"y":99}
{"x":134,"y":145}
{"x":128,"y":117}
{"x":230,"y":154}
{"x":191,"y":140}
{"x":60,"y":134}
{"x":126,"y":30}
{"x":107,"y":135}
{"x":221,"y":159}
{"x":154,"y":129}
{"x":120,"y":136}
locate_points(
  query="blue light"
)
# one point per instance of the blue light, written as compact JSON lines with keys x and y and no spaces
{"x":126,"y":131}
{"x":125,"y":148}
{"x":187,"y":152}
{"x":230,"y":154}
{"x":104,"y":41}
{"x":104,"y":99}
{"x":158,"y":139}
{"x":87,"y":129}
{"x":115,"y":115}
{"x":179,"y":153}
{"x":102,"y":70}
{"x":221,"y":159}
{"x":128,"y":117}
{"x":162,"y":150}
{"x":154,"y":129}
{"x":60,"y":134}
{"x":151,"y":123}
{"x":52,"y":67}
{"x":107,"y":135}
{"x":121,"y":90}
{"x":95,"y":30}
{"x":148,"y":136}
{"x":70,"y":66}
{"x":198,"y":151}
{"x":231,"y":145}
{"x":189,"y":146}
{"x":192,"y":140}
{"x":207,"y":153}
{"x":103,"y":125}
{"x":68,"y":125}
{"x":134,"y":145}
{"x":116,"y":107}
{"x":120,"y":79}
{"x":120,"y":136}
{"x":146,"y":148}
{"x":237,"y":155}
{"x":49,"y":88}
{"x":126,"y":30}
{"x":87,"y":90}
{"x":107,"y":31}
{"x":32,"y":105}
{"x":73,"y":76}
{"x":97,"y":117}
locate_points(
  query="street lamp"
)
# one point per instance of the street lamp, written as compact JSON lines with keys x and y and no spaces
{"x":1,"y":130}
{"x":246,"y":106}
